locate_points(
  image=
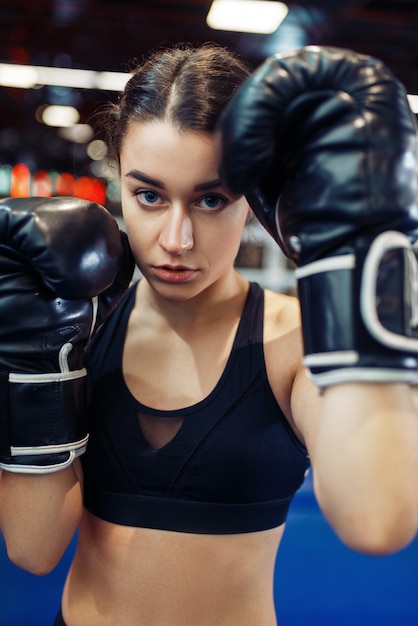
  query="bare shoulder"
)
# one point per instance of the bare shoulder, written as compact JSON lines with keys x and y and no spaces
{"x":281,"y":314}
{"x":282,"y":345}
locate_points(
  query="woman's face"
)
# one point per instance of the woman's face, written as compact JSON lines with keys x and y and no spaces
{"x":184,"y":228}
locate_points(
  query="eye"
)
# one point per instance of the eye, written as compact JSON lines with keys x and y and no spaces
{"x":148,"y":197}
{"x":212,"y":202}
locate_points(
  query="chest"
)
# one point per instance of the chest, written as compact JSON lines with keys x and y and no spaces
{"x":231,"y":445}
{"x":168,"y":369}
{"x":234,"y":446}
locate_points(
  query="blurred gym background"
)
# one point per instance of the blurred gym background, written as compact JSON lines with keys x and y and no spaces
{"x":60,"y":61}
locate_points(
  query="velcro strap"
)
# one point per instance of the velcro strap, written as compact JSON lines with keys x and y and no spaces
{"x":360,"y":312}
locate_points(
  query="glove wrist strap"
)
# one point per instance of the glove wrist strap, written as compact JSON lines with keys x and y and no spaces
{"x":42,"y":420}
{"x":359,"y":314}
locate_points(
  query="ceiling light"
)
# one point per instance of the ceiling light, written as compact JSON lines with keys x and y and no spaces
{"x":23,"y":76}
{"x":61,"y":116}
{"x":111,"y":81}
{"x":30,"y":76}
{"x":97,"y":149}
{"x":78,"y":133}
{"x":246,"y":16}
{"x":413,"y":102}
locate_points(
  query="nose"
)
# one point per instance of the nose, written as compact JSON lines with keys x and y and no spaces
{"x":176,"y":236}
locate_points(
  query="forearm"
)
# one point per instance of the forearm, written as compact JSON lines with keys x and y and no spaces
{"x":39,"y":515}
{"x":365,"y":462}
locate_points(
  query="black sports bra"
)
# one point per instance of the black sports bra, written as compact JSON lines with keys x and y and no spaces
{"x":234,"y":464}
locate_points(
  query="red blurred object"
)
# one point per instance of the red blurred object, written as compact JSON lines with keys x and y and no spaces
{"x":64,"y":184}
{"x":90,"y":189}
{"x":41,"y":184}
{"x":20,"y":183}
{"x":18,"y":54}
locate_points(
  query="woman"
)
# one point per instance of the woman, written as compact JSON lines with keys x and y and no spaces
{"x":203,"y":419}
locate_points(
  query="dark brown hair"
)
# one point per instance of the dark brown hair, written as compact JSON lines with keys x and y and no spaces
{"x":188,"y":85}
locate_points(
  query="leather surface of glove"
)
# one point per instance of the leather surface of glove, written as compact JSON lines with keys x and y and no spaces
{"x":64,"y":265}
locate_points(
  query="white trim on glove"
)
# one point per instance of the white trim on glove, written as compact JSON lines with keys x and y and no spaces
{"x":363,"y":375}
{"x":332,"y":263}
{"x":385,"y":242}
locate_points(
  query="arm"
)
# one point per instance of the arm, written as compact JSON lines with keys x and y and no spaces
{"x":64,"y":266}
{"x":363,"y":444}
{"x":39,"y":515}
{"x":325,"y":146}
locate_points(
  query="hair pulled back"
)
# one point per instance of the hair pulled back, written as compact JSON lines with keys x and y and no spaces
{"x":186,"y":85}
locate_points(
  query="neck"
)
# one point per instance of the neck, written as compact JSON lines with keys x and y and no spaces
{"x":221,"y":299}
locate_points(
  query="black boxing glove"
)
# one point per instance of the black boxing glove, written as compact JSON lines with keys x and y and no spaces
{"x":64,"y":265}
{"x":323,"y":143}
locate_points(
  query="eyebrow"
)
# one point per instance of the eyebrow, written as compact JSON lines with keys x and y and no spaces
{"x":155,"y":182}
{"x":143,"y":178}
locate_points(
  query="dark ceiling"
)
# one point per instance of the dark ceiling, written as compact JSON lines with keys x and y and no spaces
{"x":107,"y":35}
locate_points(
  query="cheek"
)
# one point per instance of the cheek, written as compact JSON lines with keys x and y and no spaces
{"x":136,"y":225}
{"x":237,"y":215}
{"x":235,"y":224}
{"x":223,"y":243}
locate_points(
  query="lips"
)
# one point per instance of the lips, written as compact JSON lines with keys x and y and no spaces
{"x":174,"y":273}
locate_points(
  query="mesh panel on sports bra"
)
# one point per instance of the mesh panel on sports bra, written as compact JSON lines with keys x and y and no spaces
{"x":158,"y":431}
